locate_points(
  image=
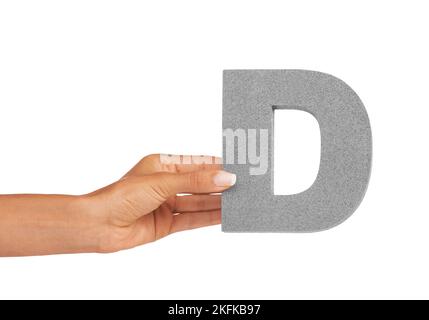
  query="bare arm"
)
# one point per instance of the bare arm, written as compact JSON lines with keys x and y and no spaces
{"x":44,"y":224}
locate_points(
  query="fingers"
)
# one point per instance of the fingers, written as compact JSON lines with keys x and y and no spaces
{"x":195,"y":203}
{"x":193,"y":220}
{"x":166,"y":185}
{"x":175,"y":164}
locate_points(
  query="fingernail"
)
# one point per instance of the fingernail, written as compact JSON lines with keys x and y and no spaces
{"x":224,"y":179}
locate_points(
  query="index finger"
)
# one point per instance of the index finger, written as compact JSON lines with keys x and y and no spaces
{"x":175,"y":164}
{"x":183,"y":163}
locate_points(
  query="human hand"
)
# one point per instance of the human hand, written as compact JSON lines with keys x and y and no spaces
{"x":144,"y":205}
{"x":141,"y":207}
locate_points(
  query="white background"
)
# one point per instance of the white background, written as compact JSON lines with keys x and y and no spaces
{"x":89,"y":87}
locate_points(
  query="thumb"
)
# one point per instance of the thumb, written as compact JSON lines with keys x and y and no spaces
{"x":205,"y":181}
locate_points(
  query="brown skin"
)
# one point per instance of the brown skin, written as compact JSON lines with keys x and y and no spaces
{"x":140,"y":208}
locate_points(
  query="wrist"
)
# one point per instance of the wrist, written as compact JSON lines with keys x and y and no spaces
{"x":86,"y":220}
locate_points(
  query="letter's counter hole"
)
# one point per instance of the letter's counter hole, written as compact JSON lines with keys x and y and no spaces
{"x":296,"y":151}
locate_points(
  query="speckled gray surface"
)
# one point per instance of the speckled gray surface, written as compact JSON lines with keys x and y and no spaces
{"x":249,"y":97}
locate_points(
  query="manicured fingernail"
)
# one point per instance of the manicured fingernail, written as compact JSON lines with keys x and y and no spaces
{"x":224,"y":179}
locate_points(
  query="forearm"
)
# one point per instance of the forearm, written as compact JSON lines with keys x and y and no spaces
{"x":46,"y":224}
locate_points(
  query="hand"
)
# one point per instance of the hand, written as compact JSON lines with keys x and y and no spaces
{"x":141,"y":207}
{"x":144,"y":205}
